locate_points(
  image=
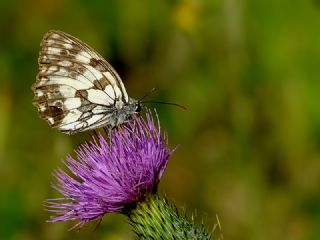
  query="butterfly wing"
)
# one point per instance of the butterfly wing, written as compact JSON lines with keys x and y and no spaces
{"x":76,"y":89}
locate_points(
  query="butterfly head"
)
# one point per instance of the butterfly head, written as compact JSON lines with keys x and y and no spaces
{"x":135,"y":105}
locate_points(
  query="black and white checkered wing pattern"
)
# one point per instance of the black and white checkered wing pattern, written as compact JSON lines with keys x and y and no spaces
{"x":76,"y":89}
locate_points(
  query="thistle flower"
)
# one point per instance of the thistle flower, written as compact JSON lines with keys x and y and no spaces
{"x":122,"y":175}
{"x":111,"y":176}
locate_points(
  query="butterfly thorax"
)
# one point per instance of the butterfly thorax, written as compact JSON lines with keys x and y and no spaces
{"x":123,"y":114}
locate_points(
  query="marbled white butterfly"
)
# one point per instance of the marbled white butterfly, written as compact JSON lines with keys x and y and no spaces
{"x":76,"y":89}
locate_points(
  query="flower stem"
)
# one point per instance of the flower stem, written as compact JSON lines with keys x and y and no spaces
{"x":155,"y":218}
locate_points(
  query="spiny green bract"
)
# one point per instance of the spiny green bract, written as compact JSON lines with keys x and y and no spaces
{"x":156,"y":219}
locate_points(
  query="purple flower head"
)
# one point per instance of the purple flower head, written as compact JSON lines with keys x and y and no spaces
{"x":110,"y":176}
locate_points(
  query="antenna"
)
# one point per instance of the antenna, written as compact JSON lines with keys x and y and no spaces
{"x":167,"y":103}
{"x":159,"y":102}
{"x":146,"y":95}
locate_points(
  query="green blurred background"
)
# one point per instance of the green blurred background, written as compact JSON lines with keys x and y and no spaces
{"x":248,"y":71}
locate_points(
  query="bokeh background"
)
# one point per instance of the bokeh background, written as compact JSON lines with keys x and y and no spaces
{"x":249,"y":143}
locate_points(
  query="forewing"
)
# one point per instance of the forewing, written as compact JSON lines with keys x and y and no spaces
{"x":76,"y":89}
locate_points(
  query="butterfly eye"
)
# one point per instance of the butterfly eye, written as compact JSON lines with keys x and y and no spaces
{"x":138,"y":107}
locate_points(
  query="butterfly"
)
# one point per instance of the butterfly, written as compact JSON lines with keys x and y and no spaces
{"x":78,"y":90}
